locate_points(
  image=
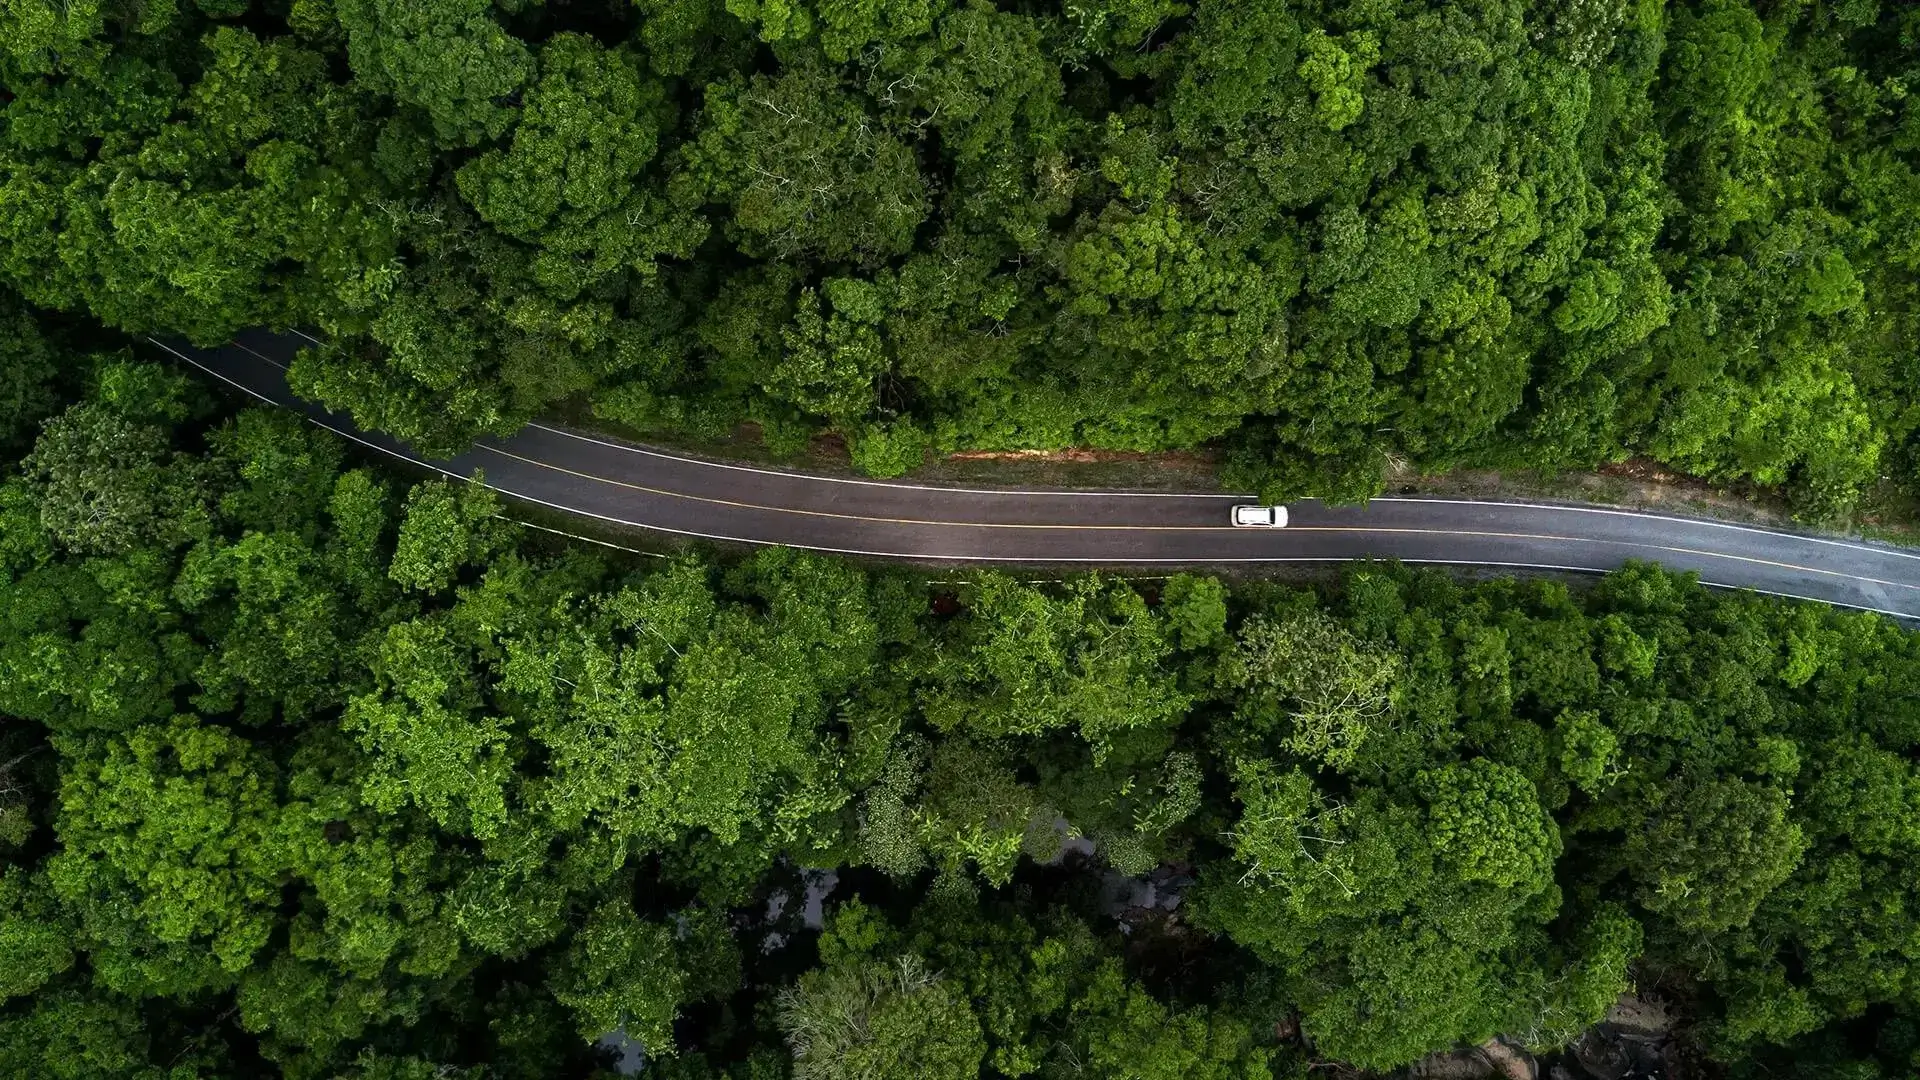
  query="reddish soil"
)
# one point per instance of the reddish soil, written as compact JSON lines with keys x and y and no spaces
{"x":1648,"y":470}
{"x":1083,"y":456}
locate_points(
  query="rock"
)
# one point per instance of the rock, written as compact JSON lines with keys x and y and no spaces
{"x":1494,"y":1059}
{"x":1452,"y":1065}
{"x":1643,"y":1015}
{"x":1509,"y":1061}
{"x":1612,"y":1052}
{"x":1601,"y":1058}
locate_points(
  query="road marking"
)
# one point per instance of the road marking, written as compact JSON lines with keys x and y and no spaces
{"x":1878,"y":549}
{"x":238,"y":386}
{"x":1075,"y":527}
{"x":775,"y":509}
{"x":582,"y":539}
{"x":1550,"y":507}
{"x":787,"y":474}
{"x":896,"y":485}
{"x":1105,"y":560}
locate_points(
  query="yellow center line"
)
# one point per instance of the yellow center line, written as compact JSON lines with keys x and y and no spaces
{"x":1350,"y":529}
{"x":1745,"y":559}
{"x":1356,"y":529}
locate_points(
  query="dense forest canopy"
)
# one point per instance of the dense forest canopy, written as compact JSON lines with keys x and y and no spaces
{"x":310,"y":771}
{"x":1326,"y":234}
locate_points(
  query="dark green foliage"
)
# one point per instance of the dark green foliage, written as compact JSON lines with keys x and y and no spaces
{"x":103,"y":482}
{"x":35,"y":935}
{"x":567,"y":182}
{"x":27,"y":375}
{"x":1712,"y":852}
{"x":449,"y":58}
{"x":307,"y":771}
{"x":888,"y":1020}
{"x":363,"y":780}
{"x":1330,"y":237}
{"x":806,"y":168}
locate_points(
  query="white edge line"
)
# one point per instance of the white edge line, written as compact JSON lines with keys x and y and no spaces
{"x":792,"y":475}
{"x":1878,"y":549}
{"x":245,"y":389}
{"x":1043,"y":560}
{"x":796,"y":475}
{"x":1808,"y":599}
{"x":804,"y":476}
{"x":577,"y":536}
{"x":1658,"y":549}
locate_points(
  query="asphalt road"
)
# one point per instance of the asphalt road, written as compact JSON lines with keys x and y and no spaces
{"x":650,"y":489}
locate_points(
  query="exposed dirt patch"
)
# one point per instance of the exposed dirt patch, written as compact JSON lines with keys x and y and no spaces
{"x":1079,"y":467}
{"x":1646,"y":469}
{"x":831,"y":447}
{"x":1182,"y":458}
{"x":1638,"y":483}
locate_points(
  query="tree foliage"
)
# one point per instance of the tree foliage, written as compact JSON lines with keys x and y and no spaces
{"x":1526,"y":234}
{"x":389,"y":784}
{"x":360,"y":777}
{"x":310,"y":770}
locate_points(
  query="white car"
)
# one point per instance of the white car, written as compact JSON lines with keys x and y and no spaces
{"x":1260,"y":517}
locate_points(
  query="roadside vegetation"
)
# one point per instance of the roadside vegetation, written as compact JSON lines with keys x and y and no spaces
{"x":1323,"y":235}
{"x":309,"y":771}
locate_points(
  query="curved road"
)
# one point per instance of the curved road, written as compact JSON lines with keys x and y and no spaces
{"x":649,"y":489}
